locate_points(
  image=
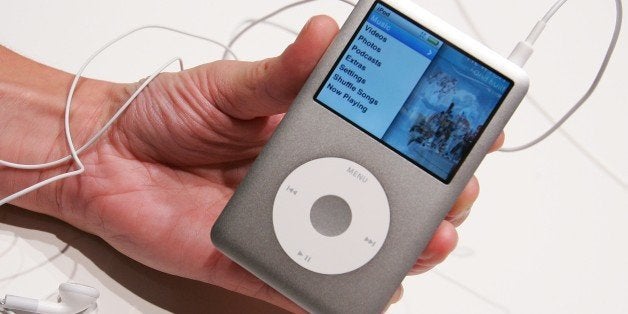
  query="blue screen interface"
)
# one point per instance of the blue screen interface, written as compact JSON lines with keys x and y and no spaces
{"x":420,"y":96}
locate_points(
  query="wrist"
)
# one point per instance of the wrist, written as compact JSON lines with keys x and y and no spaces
{"x":32,"y":104}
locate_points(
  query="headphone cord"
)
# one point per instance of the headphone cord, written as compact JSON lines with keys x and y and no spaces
{"x":74,"y":151}
{"x":524,"y":50}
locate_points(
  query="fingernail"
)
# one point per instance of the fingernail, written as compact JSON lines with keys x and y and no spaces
{"x":305,"y":27}
{"x":307,"y":24}
{"x":426,"y":256}
{"x":458,"y":213}
{"x":461,"y":217}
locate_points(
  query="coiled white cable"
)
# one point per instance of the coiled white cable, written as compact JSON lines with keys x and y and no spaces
{"x":74,"y":152}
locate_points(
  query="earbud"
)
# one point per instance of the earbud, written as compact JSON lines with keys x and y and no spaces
{"x":75,"y":298}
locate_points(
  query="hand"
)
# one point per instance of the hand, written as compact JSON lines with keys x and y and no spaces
{"x":155,"y":184}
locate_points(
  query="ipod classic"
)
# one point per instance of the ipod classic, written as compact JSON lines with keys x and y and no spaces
{"x":381,"y":140}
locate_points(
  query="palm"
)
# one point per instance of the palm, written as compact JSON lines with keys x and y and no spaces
{"x":157,"y":190}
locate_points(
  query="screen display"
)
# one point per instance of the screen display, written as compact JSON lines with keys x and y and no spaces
{"x":415,"y":93}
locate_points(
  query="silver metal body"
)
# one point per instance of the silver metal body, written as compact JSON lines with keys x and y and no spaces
{"x":418,"y":201}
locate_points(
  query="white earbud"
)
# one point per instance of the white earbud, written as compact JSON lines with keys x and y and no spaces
{"x":75,"y":298}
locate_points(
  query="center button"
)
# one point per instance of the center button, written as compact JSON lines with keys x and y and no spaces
{"x":330,"y":215}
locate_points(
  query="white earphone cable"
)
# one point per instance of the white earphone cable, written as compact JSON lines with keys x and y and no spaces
{"x":94,"y":138}
{"x":592,"y":87}
{"x":255,"y":22}
{"x":553,"y":10}
{"x":74,"y":152}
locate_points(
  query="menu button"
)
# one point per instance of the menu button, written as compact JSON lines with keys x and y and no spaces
{"x":354,"y":173}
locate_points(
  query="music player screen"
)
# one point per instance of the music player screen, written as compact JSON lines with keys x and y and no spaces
{"x":420,"y":96}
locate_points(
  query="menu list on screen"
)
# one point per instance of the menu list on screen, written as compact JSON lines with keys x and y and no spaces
{"x":413,"y":92}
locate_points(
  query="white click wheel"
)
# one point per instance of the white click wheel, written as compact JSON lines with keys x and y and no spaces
{"x":331,"y":215}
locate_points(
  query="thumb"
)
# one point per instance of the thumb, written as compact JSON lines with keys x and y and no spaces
{"x":247,"y":90}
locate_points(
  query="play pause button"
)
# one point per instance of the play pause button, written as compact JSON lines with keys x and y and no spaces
{"x":305,"y":257}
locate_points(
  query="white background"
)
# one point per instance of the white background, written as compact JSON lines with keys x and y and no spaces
{"x":547,"y":235}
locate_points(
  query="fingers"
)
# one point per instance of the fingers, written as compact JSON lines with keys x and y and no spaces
{"x":499,"y":142}
{"x":395,"y":298}
{"x":446,"y":237}
{"x":398,"y":295}
{"x":462,"y":207}
{"x":444,"y":241}
{"x":247,"y":90}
